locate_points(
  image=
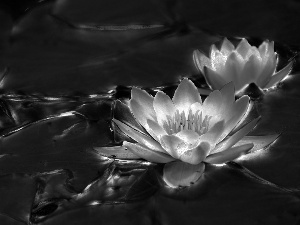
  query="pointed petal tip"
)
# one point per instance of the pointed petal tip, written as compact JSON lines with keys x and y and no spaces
{"x":213,"y":48}
{"x":245,"y":40}
{"x":185,"y":95}
{"x":196,"y":53}
{"x":135,"y":90}
{"x":186,"y":81}
{"x":163,"y":107}
{"x":137,"y":93}
{"x":227,"y":47}
{"x":243,"y":47}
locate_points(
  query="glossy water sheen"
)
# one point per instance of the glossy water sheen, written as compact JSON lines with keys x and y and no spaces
{"x":66,"y":61}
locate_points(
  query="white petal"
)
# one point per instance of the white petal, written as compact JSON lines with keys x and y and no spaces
{"x":213,"y":52}
{"x":266,"y":50}
{"x":178,"y":174}
{"x":212,"y":105}
{"x":191,"y":150}
{"x":142,"y":117}
{"x":234,"y":115}
{"x":226,"y":107}
{"x":243,"y":121}
{"x":253,"y":51}
{"x":123,"y":113}
{"x":196,"y":107}
{"x":141,"y":113}
{"x":267,"y":72}
{"x":141,"y":138}
{"x":189,"y":136}
{"x":119,"y":152}
{"x":231,"y":71}
{"x":185,"y":95}
{"x":263,"y":49}
{"x":204,"y":91}
{"x":260,"y":142}
{"x":156,"y":129}
{"x":234,"y":67}
{"x":141,"y":96}
{"x":147,"y":154}
{"x":163,"y":107}
{"x":250,"y":72}
{"x":243,"y":48}
{"x":277,"y":77}
{"x":228,"y":155}
{"x":141,"y":105}
{"x":214,"y":79}
{"x":201,"y":60}
{"x":270,"y":50}
{"x":173,"y":145}
{"x":228,"y":143}
{"x":218,"y":61}
{"x":213,"y":134}
{"x":227,"y":47}
{"x":227,"y":93}
{"x":196,"y":155}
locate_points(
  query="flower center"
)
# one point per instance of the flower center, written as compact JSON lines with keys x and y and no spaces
{"x":194,"y":121}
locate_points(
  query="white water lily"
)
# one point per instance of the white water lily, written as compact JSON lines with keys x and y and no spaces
{"x":243,"y":65}
{"x":185,"y":132}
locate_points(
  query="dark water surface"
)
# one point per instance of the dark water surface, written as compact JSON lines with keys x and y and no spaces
{"x":64,"y":62}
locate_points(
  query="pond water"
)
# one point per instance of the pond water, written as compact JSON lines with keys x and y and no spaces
{"x":65,"y":62}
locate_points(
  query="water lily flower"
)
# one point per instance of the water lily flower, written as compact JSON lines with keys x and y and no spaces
{"x":184,"y":132}
{"x":243,"y":65}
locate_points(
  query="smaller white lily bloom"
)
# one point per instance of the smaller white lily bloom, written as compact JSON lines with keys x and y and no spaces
{"x":243,"y":65}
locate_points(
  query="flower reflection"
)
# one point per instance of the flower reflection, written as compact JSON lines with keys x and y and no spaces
{"x":184,"y":132}
{"x":243,"y":65}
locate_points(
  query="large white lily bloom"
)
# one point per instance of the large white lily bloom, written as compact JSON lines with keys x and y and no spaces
{"x":185,"y":132}
{"x":243,"y":65}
